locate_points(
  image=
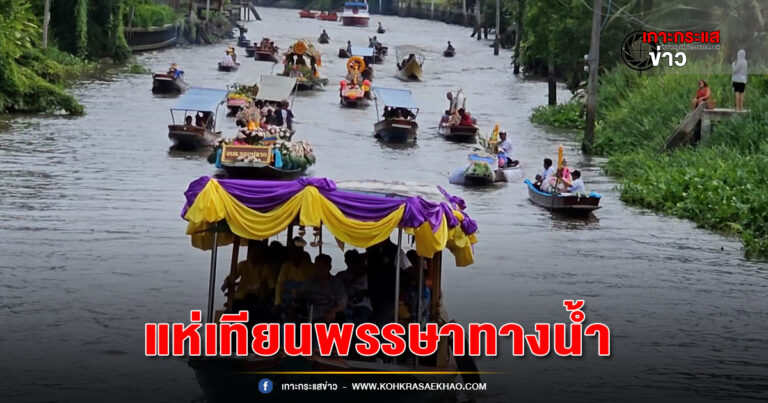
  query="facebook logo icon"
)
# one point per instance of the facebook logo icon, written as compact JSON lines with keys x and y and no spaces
{"x":265,"y":386}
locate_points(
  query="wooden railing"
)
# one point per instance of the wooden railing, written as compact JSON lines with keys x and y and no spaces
{"x":143,"y":39}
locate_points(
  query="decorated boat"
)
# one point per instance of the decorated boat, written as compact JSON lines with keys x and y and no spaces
{"x":355,"y":14}
{"x":360,"y":214}
{"x":273,"y":156}
{"x":328,"y":16}
{"x":398,"y":122}
{"x":198,"y":131}
{"x":239,"y":96}
{"x":567,"y":203}
{"x":355,"y":89}
{"x":410,"y":61}
{"x":302,"y":62}
{"x":484,"y":170}
{"x":169,"y":82}
{"x":304,"y":13}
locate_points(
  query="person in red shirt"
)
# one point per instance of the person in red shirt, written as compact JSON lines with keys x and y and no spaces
{"x":466,"y":120}
{"x":703,"y":95}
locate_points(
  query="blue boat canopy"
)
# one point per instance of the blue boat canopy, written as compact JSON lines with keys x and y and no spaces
{"x":201,"y":100}
{"x":475,"y":157}
{"x":397,"y":98}
{"x":363,"y":51}
{"x":355,"y":4}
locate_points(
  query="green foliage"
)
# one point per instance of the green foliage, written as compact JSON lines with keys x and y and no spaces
{"x":564,"y":116}
{"x":148,"y":15}
{"x":81,"y":27}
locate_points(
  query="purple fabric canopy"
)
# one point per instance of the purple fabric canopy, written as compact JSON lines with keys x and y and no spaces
{"x":264,"y":196}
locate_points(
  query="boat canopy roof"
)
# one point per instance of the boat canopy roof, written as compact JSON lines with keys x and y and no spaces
{"x":394,"y":97}
{"x":361,"y":217}
{"x":408,"y":49}
{"x":201,"y":99}
{"x":355,"y":4}
{"x":275,"y":88}
{"x":363,"y":51}
{"x":482,"y":158}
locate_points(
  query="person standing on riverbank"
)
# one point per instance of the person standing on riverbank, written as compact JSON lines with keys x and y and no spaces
{"x":739,"y":78}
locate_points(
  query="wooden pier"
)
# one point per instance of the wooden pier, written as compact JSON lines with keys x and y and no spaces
{"x":697,"y":126}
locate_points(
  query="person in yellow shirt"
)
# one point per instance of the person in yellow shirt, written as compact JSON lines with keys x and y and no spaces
{"x":256,"y":285}
{"x":296,"y":269}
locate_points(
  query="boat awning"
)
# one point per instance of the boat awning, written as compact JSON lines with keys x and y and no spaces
{"x":409,"y":49}
{"x":478,"y":158}
{"x":201,"y":99}
{"x":258,"y":209}
{"x":362,"y":51}
{"x":397,"y":98}
{"x":275,"y":88}
{"x":355,"y":4}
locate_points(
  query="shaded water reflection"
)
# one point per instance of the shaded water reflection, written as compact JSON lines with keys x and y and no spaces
{"x":93,"y":246}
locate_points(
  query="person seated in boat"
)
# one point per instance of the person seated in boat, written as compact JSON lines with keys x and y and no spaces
{"x":324,"y":292}
{"x":466,"y":119}
{"x":380,"y":29}
{"x":294,"y":271}
{"x":188,"y":120}
{"x":355,"y":280}
{"x":325,"y":35}
{"x":577,"y":185}
{"x":703,"y":95}
{"x":232,"y":54}
{"x":199,"y":121}
{"x":548,"y":171}
{"x":284,"y":116}
{"x":566,"y":172}
{"x":227,"y":60}
{"x":256,"y":286}
{"x":450,"y":47}
{"x":506,"y":151}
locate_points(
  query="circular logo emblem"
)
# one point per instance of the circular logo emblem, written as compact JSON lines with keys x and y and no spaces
{"x":265,"y":386}
{"x":637,"y":54}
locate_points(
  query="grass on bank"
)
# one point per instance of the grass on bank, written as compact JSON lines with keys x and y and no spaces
{"x":720,"y":185}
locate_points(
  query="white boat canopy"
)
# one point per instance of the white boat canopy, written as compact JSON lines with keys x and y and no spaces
{"x":275,"y":88}
{"x":395,"y":98}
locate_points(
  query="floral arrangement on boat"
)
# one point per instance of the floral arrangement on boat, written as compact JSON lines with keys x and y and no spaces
{"x":480,"y":169}
{"x":302,"y":61}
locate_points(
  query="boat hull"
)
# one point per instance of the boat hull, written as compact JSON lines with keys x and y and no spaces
{"x":323,"y":40}
{"x":395,"y":130}
{"x":229,"y":67}
{"x":355,"y":20}
{"x":449,"y":53}
{"x":244,"y":170}
{"x":343,"y":54}
{"x":250,"y":51}
{"x":572,"y":204}
{"x":459,"y":134}
{"x":163,"y":84}
{"x":265,"y":56}
{"x":191,"y":137}
{"x":412,"y":71}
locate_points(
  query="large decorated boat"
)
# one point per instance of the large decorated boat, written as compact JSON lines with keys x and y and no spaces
{"x":360,"y":214}
{"x":198,"y":131}
{"x":398,"y":122}
{"x":355,"y":14}
{"x":355,"y":89}
{"x":302,"y":62}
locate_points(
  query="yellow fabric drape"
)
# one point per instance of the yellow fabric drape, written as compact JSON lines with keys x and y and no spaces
{"x":214,"y":204}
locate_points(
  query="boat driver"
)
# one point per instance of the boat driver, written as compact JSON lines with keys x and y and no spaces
{"x":506,"y":151}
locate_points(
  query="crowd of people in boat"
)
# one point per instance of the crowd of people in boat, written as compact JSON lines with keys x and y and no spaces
{"x":562,"y":180}
{"x":398,"y":113}
{"x":201,"y":119}
{"x":279,"y":283}
{"x":263,"y":115}
{"x":266,"y":45}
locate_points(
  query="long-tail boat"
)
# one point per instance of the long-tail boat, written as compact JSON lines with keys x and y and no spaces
{"x":567,"y":203}
{"x":222,"y":212}
{"x":410,"y":61}
{"x":170,"y":82}
{"x":398,"y":123}
{"x":191,"y":134}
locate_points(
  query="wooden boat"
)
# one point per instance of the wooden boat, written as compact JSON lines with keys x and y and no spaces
{"x":459,"y":134}
{"x":410,"y":62}
{"x":190,"y":136}
{"x":395,"y":129}
{"x":243,"y":42}
{"x":266,"y":55}
{"x":564,"y":202}
{"x":302,"y":61}
{"x":449,"y":52}
{"x":355,"y":14}
{"x":231,"y":378}
{"x":250,"y":51}
{"x":328,"y":16}
{"x":324,"y":39}
{"x":229,"y":67}
{"x":257,"y":170}
{"x":343,"y":54}
{"x":164,"y":83}
{"x":304,"y":13}
{"x":380,"y":30}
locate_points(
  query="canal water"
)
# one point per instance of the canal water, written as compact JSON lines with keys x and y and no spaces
{"x":93,"y":247}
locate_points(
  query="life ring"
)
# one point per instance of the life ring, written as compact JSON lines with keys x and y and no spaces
{"x":356,"y":64}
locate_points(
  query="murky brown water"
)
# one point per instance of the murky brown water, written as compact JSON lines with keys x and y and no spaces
{"x":92,"y":245}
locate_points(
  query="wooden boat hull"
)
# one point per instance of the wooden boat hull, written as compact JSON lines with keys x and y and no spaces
{"x":381,"y":31}
{"x":308,"y":14}
{"x":191,"y":137}
{"x":231,"y":379}
{"x":328,"y":17}
{"x":575,"y":205}
{"x":355,"y":20}
{"x":264,"y":56}
{"x":162,"y":84}
{"x":412,"y":71}
{"x":343,"y":54}
{"x":323,"y":40}
{"x":250,"y":51}
{"x":459,"y":134}
{"x":245,"y":170}
{"x":395,"y":130}
{"x":449,"y":53}
{"x":229,"y":67}
{"x":244,"y":43}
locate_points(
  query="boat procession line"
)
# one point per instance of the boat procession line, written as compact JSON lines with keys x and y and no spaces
{"x":371,"y":372}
